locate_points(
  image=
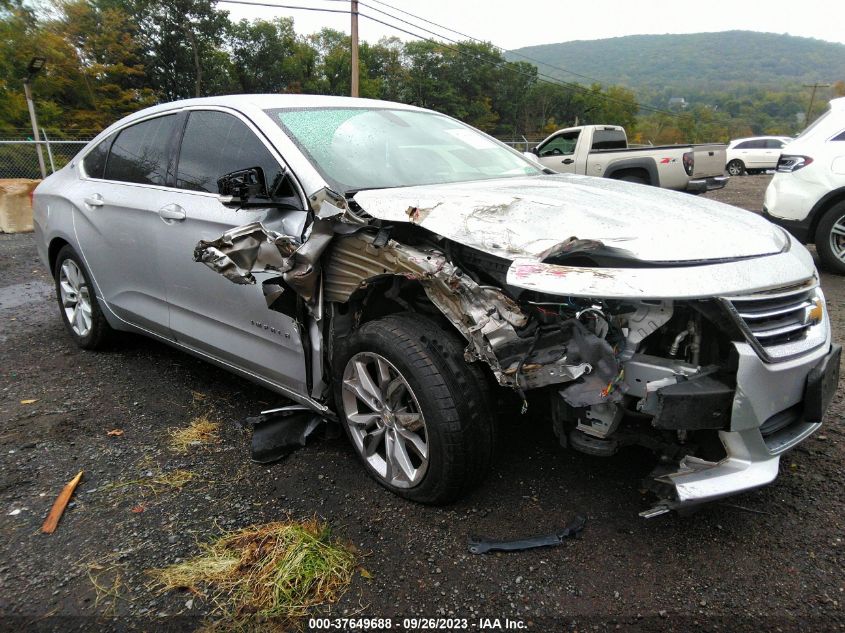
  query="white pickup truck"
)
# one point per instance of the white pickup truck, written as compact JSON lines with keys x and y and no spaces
{"x":602,"y":150}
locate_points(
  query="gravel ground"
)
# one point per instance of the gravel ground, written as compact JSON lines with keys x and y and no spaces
{"x":772,"y":559}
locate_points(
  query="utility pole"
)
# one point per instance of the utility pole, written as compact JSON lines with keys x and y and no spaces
{"x":35,"y":66}
{"x":354,"y":48}
{"x":814,"y":86}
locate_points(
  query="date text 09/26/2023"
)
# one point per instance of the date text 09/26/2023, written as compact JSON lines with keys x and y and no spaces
{"x":416,"y":624}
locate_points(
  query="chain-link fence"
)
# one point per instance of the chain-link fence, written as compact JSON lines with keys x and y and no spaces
{"x":523,"y":144}
{"x":19,"y":158}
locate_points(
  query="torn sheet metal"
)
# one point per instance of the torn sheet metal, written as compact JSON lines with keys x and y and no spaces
{"x":478,"y":545}
{"x":241,"y":251}
{"x":305,"y":269}
{"x":253,"y":248}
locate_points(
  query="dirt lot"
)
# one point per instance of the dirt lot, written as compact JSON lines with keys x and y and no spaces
{"x":768,"y":560}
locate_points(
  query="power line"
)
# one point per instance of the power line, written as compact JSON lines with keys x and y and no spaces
{"x":539,"y":76}
{"x":446,"y":28}
{"x":505,"y":64}
{"x":285,"y":6}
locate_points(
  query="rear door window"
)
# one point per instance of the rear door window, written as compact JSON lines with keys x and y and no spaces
{"x":774,"y":143}
{"x":217,"y":143}
{"x":140,"y":152}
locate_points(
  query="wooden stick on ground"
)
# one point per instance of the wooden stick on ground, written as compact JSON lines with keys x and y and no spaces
{"x":59,"y":506}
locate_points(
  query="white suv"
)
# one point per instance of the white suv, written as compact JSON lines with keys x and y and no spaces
{"x":754,"y":154}
{"x":807,"y":194}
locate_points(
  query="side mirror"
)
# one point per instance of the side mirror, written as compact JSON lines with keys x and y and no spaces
{"x":238,"y":187}
{"x":534,"y":151}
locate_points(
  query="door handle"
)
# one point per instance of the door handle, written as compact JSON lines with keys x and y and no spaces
{"x":172,"y":212}
{"x":94,"y":201}
{"x":567,"y":161}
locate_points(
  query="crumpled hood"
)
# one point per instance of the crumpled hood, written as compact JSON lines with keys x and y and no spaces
{"x":525,"y":218}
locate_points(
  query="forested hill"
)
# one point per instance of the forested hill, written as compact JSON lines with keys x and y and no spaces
{"x":714,"y":61}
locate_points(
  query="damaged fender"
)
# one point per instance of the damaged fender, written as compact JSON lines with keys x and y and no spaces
{"x":488,"y":319}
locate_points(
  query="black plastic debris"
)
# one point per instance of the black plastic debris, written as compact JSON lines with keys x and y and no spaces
{"x":478,"y":545}
{"x":279,"y":432}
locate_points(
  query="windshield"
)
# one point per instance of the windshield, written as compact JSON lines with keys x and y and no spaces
{"x":359,"y":148}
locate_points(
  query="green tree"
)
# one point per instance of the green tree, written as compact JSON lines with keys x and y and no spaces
{"x":182,"y":39}
{"x":267,"y":56}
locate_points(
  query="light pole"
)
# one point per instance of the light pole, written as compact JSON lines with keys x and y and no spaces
{"x":354,"y":40}
{"x":35,"y":66}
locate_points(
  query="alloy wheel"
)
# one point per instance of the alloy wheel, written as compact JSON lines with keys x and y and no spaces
{"x":384,"y":419}
{"x":75,"y":297}
{"x":837,"y":239}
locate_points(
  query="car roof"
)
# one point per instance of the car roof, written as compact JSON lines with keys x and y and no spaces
{"x":269,"y":101}
{"x":837,"y":104}
{"x":756,"y":138}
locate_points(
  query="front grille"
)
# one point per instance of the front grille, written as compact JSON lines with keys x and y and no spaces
{"x":779,"y":321}
{"x":776,"y":320}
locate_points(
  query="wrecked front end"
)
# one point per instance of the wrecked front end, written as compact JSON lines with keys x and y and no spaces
{"x":717,"y":367}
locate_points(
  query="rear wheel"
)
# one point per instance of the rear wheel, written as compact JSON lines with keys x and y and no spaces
{"x":417,"y":414}
{"x":78,"y":305}
{"x":830,"y":239}
{"x":736,"y":167}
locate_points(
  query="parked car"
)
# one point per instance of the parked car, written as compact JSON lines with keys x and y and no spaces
{"x":602,"y":150}
{"x":758,"y":153}
{"x":807,"y":193}
{"x":397,"y":270}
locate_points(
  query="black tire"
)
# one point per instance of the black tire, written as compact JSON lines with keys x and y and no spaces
{"x":452,"y":395}
{"x":100,"y":332}
{"x":824,"y":238}
{"x":736,"y":167}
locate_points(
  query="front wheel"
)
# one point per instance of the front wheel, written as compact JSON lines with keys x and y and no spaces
{"x":416,"y":413}
{"x":736,"y":167}
{"x":830,"y":239}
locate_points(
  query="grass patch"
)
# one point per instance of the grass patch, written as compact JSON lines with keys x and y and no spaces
{"x":159,"y":483}
{"x":276,"y":570}
{"x":107,"y":580}
{"x":200,"y":432}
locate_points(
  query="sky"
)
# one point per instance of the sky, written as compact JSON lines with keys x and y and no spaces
{"x":516,"y":23}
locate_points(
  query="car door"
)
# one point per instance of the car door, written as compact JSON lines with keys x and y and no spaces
{"x":772,"y":153}
{"x":756,"y":154}
{"x":116,"y":202}
{"x":558,"y":153}
{"x":208,"y":312}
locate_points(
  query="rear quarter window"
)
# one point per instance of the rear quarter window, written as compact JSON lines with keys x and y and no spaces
{"x":94,"y":162}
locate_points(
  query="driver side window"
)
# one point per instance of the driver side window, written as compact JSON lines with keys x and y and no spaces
{"x":217,"y":143}
{"x":560,"y":145}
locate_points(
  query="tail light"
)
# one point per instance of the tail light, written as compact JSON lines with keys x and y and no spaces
{"x":689,"y":162}
{"x":32,"y":198}
{"x":789,"y":163}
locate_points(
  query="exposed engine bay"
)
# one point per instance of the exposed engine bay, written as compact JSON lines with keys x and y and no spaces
{"x":613,"y":372}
